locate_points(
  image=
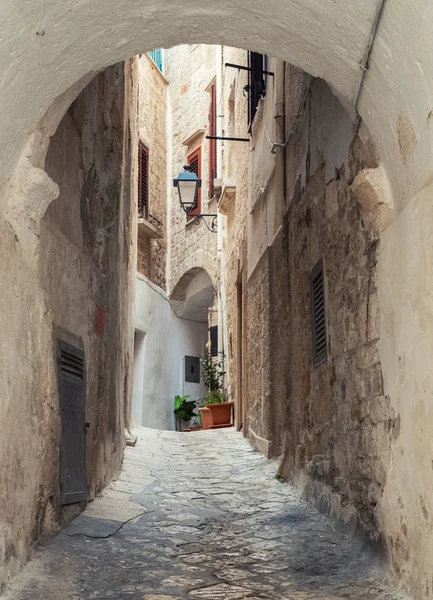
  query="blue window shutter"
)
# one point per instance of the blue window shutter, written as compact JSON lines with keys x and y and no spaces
{"x":156,"y":56}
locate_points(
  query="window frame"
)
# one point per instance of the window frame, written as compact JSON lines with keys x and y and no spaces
{"x":196,"y":153}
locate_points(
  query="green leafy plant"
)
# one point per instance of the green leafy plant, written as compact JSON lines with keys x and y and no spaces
{"x":215,"y":397}
{"x":183,"y":409}
{"x":213,"y":375}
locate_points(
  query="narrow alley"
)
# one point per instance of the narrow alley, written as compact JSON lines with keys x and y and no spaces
{"x":203,"y":517}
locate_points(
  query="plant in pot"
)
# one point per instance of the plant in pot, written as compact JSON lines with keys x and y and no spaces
{"x":216,"y":401}
{"x":183,"y":410}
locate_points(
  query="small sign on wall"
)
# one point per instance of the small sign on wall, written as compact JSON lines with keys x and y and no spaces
{"x":100,"y":321}
{"x":192,"y":369}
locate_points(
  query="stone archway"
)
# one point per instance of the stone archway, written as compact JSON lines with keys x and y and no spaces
{"x":193,"y":295}
{"x":365,"y":51}
{"x":376,"y":56}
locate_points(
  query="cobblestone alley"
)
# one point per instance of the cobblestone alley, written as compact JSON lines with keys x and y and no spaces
{"x":205,"y":518}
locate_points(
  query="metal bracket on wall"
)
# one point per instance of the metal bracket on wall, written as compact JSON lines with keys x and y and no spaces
{"x":213,"y":223}
{"x":242,"y":68}
{"x":228,"y":139}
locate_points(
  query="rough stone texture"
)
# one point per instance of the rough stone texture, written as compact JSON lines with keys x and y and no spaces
{"x":152,"y":117}
{"x":341,"y":424}
{"x":80,"y":258}
{"x":334,"y":423}
{"x":190,"y":70}
{"x":206,"y":519}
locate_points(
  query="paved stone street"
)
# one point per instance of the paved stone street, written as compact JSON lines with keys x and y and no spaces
{"x":208,"y":520}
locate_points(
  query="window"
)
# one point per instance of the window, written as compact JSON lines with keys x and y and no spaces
{"x":213,"y":335}
{"x":194,"y":160}
{"x":256,"y":83}
{"x":143,"y":181}
{"x":212,"y":143}
{"x":156,"y":56}
{"x":318,"y":314}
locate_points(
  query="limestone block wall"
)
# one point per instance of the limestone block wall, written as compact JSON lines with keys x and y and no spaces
{"x":340,"y":423}
{"x":334,"y":422}
{"x":80,"y":258}
{"x":190,"y":70}
{"x":152,"y":117}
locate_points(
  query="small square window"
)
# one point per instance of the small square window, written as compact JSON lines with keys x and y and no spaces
{"x":192,"y":369}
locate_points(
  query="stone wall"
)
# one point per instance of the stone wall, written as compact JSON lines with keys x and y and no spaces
{"x":152,"y":116}
{"x":190,"y":71}
{"x":81,"y":258}
{"x":340,"y":424}
{"x":302,"y":204}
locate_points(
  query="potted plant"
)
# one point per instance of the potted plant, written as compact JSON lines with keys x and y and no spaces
{"x":183,"y":410}
{"x":216,"y":401}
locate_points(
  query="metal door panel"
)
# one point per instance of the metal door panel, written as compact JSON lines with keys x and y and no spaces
{"x":72,"y":414}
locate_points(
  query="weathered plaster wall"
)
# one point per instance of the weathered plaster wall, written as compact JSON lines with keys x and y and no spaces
{"x":341,"y":425}
{"x":406,"y":350}
{"x":152,"y":116}
{"x":159,"y":364}
{"x":83,"y":259}
{"x":190,"y":70}
{"x":335,"y":423}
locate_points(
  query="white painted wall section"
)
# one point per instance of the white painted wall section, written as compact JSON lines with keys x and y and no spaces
{"x":161,"y":343}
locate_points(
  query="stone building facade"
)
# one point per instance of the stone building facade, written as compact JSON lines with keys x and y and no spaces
{"x":63,"y":441}
{"x":152,"y":202}
{"x":191,"y":71}
{"x":178,"y":269}
{"x":300,"y":197}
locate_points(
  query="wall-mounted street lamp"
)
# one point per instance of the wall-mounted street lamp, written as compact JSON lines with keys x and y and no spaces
{"x":187,"y":184}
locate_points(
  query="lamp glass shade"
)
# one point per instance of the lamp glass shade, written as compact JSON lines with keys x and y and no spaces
{"x":187,"y":190}
{"x":187,"y":185}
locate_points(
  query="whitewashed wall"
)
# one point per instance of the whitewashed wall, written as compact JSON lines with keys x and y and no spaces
{"x":162,"y":341}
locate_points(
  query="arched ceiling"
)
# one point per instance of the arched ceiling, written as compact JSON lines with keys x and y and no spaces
{"x":193,"y":295}
{"x":48,"y":45}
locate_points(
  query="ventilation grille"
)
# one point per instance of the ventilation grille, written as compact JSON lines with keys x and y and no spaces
{"x":213,"y":334}
{"x":71,"y":364}
{"x":143,"y":181}
{"x":318,"y":315}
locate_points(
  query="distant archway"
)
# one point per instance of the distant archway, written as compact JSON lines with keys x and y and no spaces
{"x":193,"y":295}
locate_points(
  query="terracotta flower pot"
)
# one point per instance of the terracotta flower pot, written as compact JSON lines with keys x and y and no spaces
{"x":206,"y":419}
{"x":221,"y":413}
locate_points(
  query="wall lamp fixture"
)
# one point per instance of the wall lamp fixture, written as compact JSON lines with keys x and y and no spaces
{"x":187,"y":184}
